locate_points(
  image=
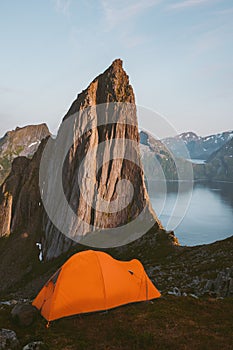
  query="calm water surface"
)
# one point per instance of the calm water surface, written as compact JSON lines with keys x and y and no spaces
{"x":209,"y":216}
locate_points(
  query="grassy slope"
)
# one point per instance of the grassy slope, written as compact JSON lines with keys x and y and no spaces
{"x":168,"y":323}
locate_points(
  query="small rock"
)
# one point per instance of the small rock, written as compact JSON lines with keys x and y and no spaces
{"x":24,"y":314}
{"x":175,"y":292}
{"x":228,"y":272}
{"x":8,"y":303}
{"x":8,"y":340}
{"x":193,"y":296}
{"x":196,"y":280}
{"x":36,"y":345}
{"x":230,"y":288}
{"x":209,"y":286}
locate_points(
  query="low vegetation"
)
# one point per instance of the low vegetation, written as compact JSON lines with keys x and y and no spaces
{"x":167,"y":323}
{"x":190,"y":321}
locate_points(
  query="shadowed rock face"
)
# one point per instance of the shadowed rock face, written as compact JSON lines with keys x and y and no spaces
{"x":20,"y":196}
{"x":21,"y":213}
{"x":20,"y":204}
{"x":219,"y":166}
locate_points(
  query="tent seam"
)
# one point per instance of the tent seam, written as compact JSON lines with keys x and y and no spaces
{"x":54,"y":296}
{"x":104,"y":289}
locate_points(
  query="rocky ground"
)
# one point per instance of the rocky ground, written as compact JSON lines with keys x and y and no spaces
{"x":205,"y":270}
{"x":201,"y":270}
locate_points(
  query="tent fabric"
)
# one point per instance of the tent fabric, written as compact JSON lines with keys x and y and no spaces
{"x":93,"y":281}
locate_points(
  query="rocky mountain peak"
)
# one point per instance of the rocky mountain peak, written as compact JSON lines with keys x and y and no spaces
{"x":188,"y":136}
{"x":110,"y":86}
{"x":28,"y":130}
{"x":21,"y":142}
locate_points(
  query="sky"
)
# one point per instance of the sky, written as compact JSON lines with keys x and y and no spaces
{"x":178,"y":55}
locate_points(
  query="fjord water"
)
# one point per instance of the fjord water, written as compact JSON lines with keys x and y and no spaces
{"x":209,"y":216}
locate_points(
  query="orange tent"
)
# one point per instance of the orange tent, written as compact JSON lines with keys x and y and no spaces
{"x":93,"y":281}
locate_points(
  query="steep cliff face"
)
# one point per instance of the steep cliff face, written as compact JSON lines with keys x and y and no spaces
{"x":100,"y":175}
{"x":20,"y":142}
{"x":20,"y":204}
{"x":20,"y":198}
{"x":21,"y":213}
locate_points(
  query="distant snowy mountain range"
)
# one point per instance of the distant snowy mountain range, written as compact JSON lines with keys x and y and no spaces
{"x":215,"y":151}
{"x":198,"y":147}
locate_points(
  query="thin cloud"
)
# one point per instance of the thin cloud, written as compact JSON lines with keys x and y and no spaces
{"x":119,"y":11}
{"x":129,"y":40}
{"x":62,"y":6}
{"x":211,"y":40}
{"x":187,"y":4}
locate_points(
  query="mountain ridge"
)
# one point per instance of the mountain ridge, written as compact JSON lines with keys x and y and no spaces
{"x":199,"y":147}
{"x":22,"y":141}
{"x":217,"y":167}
